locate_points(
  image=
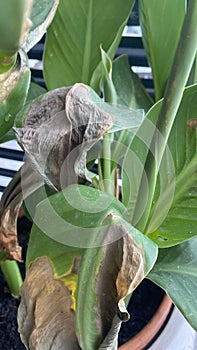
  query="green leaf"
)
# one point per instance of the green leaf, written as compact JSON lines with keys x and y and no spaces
{"x":172,"y":219}
{"x":106,"y":83}
{"x":133,"y":166}
{"x":180,"y":223}
{"x":10,"y":135}
{"x":67,"y":228}
{"x":160,"y":37}
{"x":129,"y":87}
{"x":179,"y":75}
{"x":35,"y":91}
{"x":76,"y":218}
{"x":95,"y":79}
{"x":42,"y":15}
{"x":72,"y":55}
{"x":14,"y":87}
{"x":176,"y":272}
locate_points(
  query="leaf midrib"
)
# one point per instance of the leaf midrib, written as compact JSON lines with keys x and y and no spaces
{"x":87,"y":47}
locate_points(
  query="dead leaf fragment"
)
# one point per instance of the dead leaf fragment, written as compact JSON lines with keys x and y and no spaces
{"x":10,"y":204}
{"x":58,"y":131}
{"x":45,"y":315}
{"x":120,"y":272}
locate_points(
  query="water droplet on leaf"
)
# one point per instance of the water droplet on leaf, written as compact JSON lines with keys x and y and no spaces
{"x":8,"y":117}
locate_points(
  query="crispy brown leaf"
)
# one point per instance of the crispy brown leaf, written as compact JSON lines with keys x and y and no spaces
{"x":58,"y":131}
{"x":10,"y":204}
{"x":8,"y":232}
{"x":110,"y":272}
{"x":121,"y":270}
{"x":45,"y":315}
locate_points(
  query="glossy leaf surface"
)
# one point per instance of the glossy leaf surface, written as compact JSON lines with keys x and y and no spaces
{"x":176,"y":272}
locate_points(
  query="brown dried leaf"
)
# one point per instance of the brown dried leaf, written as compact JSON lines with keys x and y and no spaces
{"x":132,"y":268}
{"x":10,"y":204}
{"x":8,"y":231}
{"x":45,"y":315}
{"x":58,"y":131}
{"x":126,"y":271}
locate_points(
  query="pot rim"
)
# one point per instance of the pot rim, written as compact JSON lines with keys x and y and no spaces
{"x":146,"y":335}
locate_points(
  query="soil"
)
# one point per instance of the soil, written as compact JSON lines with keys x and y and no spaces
{"x":145,"y":301}
{"x":9,"y":336}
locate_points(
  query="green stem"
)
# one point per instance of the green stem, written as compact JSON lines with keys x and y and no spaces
{"x":12,"y":275}
{"x":100,"y":175}
{"x":180,"y":71}
{"x":107,"y":140}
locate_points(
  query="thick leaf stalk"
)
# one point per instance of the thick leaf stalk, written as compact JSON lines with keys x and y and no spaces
{"x":14,"y":26}
{"x":12,"y":275}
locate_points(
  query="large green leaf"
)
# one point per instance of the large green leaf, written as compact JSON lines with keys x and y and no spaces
{"x":83,"y":223}
{"x":176,"y":272}
{"x":72,"y":50}
{"x":76,"y":218}
{"x":173,"y":216}
{"x":161,"y":22}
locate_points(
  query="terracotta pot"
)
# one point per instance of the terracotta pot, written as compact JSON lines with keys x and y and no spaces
{"x":144,"y":337}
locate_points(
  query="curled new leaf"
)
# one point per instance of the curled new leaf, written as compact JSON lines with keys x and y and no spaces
{"x":45,"y":316}
{"x":58,"y":131}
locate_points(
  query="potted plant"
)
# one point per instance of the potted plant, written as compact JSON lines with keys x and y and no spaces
{"x":92,"y":243}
